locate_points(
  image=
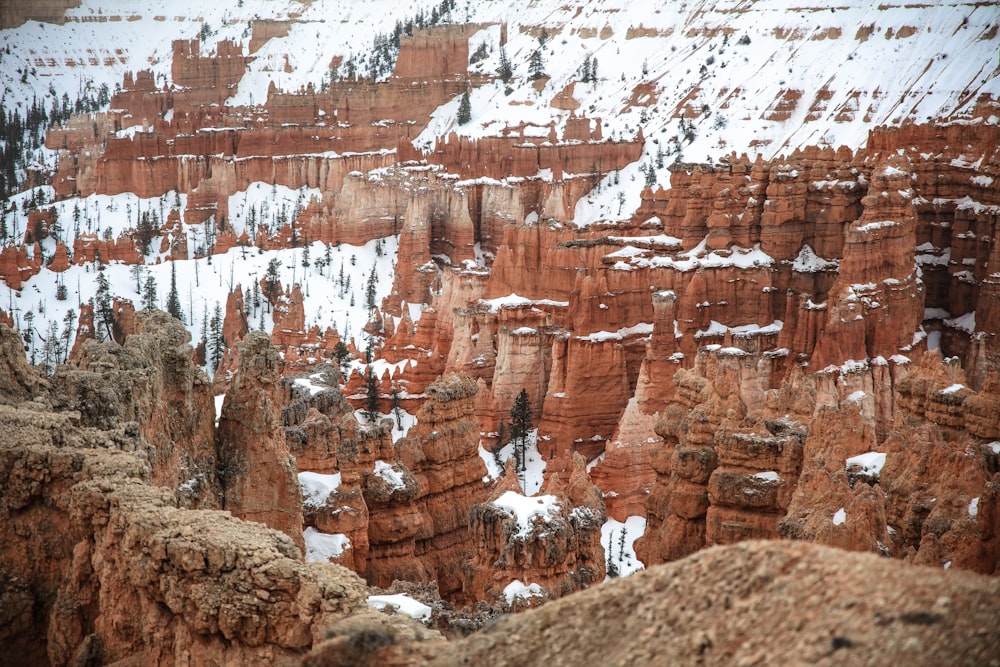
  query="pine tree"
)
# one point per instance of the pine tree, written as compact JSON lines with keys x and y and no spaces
{"x":173,"y":298}
{"x":29,"y":335}
{"x":343,"y":356}
{"x":136,"y":271}
{"x":67,"y":333}
{"x":396,"y":410}
{"x":102,"y":305}
{"x":371,"y":395}
{"x":464,"y":109}
{"x":271,"y":281}
{"x":216,"y":341}
{"x":149,"y":299}
{"x":536,"y":66}
{"x":51,"y":348}
{"x":520,"y":426}
{"x":371,"y":291}
{"x":61,"y":292}
{"x":505,"y":71}
{"x":611,"y":565}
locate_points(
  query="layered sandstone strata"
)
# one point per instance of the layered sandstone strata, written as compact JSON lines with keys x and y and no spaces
{"x":552,"y":540}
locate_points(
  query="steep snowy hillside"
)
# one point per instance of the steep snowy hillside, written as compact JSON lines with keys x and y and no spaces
{"x":700,"y":80}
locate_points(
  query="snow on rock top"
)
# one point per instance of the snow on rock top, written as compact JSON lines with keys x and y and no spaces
{"x":321,"y":547}
{"x":525,"y":509}
{"x":809,"y":262}
{"x":879,"y":224}
{"x":516,"y":301}
{"x":517,"y":589}
{"x":867,"y":464}
{"x":317,"y":487}
{"x":390,"y":475}
{"x":403,"y":604}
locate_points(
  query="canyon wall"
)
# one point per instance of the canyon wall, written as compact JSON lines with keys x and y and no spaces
{"x":105,"y":564}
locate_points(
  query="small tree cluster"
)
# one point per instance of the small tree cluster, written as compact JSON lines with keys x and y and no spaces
{"x":687,"y":130}
{"x":536,"y":65}
{"x":520,"y":426}
{"x":649,"y":171}
{"x":588,"y":70}
{"x":504,"y":71}
{"x":464,"y":109}
{"x":481,"y":53}
{"x":612,"y":564}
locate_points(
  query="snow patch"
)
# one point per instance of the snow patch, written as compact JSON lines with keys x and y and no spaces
{"x":867,"y":464}
{"x":974,"y":508}
{"x":321,"y":547}
{"x":403,"y":604}
{"x":390,"y":475}
{"x":525,"y":509}
{"x":317,"y":487}
{"x":516,"y":589}
{"x":809,"y":262}
{"x":839,"y":517}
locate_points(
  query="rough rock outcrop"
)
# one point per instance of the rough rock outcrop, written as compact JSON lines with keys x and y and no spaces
{"x":256,"y":470}
{"x":780,"y":603}
{"x":101,"y":565}
{"x":150,"y":382}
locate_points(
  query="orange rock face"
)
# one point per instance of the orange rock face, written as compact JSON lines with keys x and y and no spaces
{"x":255,"y":467}
{"x":405,"y":508}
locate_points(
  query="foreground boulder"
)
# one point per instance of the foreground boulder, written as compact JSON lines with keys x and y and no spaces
{"x":753,"y":603}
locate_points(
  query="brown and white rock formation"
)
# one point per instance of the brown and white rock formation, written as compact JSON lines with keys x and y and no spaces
{"x":552,"y":540}
{"x":150,"y":382}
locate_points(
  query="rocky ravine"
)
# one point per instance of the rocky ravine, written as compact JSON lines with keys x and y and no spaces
{"x":103,"y":566}
{"x":793,"y":347}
